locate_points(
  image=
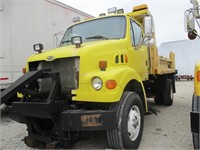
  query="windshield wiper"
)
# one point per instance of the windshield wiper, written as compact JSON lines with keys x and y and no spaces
{"x":67,"y":41}
{"x":97,"y":37}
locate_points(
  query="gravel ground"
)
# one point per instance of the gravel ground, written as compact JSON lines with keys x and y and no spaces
{"x":169,"y":129}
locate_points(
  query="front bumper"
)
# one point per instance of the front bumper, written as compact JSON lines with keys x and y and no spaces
{"x":88,"y":120}
{"x":71,"y":120}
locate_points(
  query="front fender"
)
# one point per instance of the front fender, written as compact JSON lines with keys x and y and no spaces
{"x":122,"y":75}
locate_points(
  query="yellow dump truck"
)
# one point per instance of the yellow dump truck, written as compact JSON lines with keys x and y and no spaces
{"x":99,"y":78}
{"x":192,"y":15}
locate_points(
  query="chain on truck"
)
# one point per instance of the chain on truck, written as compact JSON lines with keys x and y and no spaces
{"x":98,"y":79}
{"x":192,"y":15}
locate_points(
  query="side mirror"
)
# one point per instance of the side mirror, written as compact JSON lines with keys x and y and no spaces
{"x":148,"y":26}
{"x":192,"y":34}
{"x":112,"y":10}
{"x":38,"y":47}
{"x":189,"y":21}
{"x":195,"y":7}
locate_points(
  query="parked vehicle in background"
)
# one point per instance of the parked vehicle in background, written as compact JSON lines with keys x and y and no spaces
{"x":192,"y":15}
{"x":183,"y":77}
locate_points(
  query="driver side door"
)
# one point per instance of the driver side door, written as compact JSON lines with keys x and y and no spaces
{"x":139,"y":54}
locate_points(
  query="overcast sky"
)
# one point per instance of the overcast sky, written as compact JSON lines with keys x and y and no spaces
{"x":168,"y":14}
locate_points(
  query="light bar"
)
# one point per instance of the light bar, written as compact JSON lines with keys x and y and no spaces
{"x":76,"y":19}
{"x":112,"y":10}
{"x":140,"y":7}
{"x":103,"y":14}
{"x":120,"y":11}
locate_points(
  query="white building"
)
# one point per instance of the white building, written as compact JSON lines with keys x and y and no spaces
{"x":27,"y":22}
{"x":187,"y":52}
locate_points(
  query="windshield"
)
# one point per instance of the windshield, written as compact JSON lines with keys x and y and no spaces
{"x":99,"y":29}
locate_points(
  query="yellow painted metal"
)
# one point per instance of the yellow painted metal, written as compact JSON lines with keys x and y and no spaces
{"x":19,"y":95}
{"x":121,"y":74}
{"x":196,"y":82}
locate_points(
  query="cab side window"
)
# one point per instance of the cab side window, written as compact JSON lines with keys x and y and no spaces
{"x":136,"y":33}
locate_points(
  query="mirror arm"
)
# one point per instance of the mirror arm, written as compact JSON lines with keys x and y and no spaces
{"x":139,"y":45}
{"x":195,"y":32}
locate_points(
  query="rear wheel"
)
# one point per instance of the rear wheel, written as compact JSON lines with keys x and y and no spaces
{"x":130,"y":121}
{"x":159,"y":98}
{"x":165,"y":96}
{"x":168,"y":93}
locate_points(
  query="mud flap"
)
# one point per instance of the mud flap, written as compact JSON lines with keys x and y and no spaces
{"x":195,"y":121}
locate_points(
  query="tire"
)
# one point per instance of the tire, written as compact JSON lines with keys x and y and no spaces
{"x":159,"y":98}
{"x":168,"y":94}
{"x":129,"y":132}
{"x":196,"y":136}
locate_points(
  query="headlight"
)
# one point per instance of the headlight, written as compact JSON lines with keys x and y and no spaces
{"x":97,"y":83}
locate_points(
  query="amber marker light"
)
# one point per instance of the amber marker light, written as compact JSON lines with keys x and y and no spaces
{"x":140,"y":7}
{"x":111,"y":84}
{"x":198,"y":76}
{"x":103,"y":65}
{"x":126,"y":58}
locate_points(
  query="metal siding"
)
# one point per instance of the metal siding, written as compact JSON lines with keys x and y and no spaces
{"x":1,"y":30}
{"x":27,"y":22}
{"x":187,"y":53}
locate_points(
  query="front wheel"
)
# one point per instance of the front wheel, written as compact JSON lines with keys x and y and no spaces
{"x":130,"y":121}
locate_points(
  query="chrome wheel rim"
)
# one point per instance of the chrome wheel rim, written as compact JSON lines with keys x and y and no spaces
{"x":134,"y":122}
